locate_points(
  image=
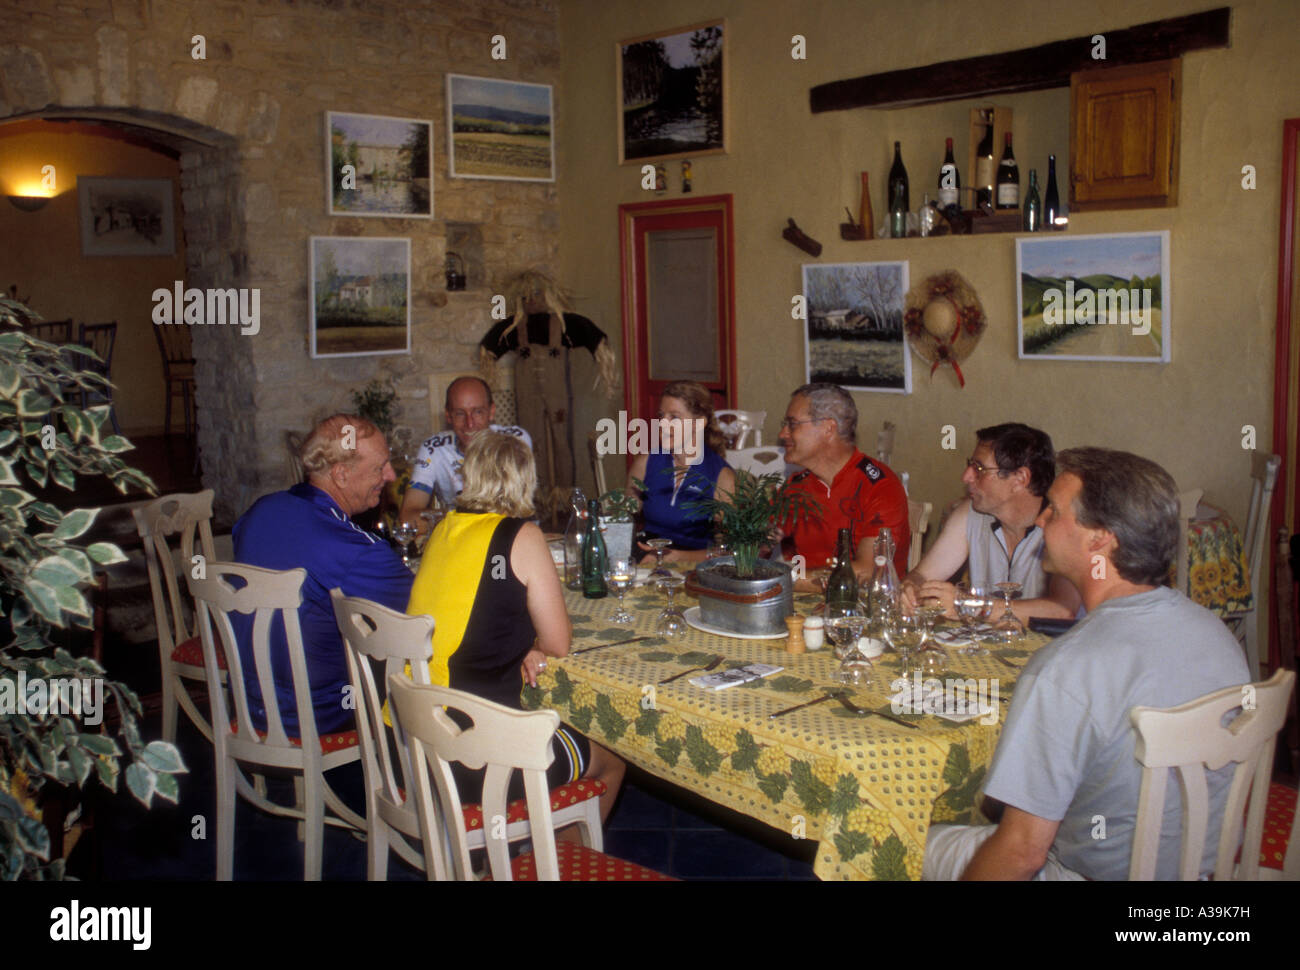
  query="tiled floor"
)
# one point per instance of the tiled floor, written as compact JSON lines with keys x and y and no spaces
{"x":654,"y":824}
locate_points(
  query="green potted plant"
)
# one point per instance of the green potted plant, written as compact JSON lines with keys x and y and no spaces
{"x":44,"y":572}
{"x":742,"y":592}
{"x":618,"y":507}
{"x":376,"y":402}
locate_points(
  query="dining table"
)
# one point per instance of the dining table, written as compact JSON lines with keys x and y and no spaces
{"x":865,"y":787}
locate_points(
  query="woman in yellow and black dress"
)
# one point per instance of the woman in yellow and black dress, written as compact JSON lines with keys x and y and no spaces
{"x":488,"y":579}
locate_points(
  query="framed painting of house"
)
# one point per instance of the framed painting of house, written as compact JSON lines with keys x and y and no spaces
{"x":378,"y":166}
{"x":854,"y":333}
{"x":360,"y":296}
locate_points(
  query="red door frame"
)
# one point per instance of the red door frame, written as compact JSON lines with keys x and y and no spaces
{"x":637,"y":219}
{"x":1286,"y":496}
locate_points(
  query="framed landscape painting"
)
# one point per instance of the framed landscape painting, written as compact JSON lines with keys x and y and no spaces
{"x":854,"y":335}
{"x":360,"y":296}
{"x":500,"y":129}
{"x":1094,"y":297}
{"x":378,"y":166}
{"x":672,"y":93}
{"x":126,"y":217}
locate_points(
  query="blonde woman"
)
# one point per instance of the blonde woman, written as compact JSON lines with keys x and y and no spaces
{"x":685,"y":467}
{"x":488,"y":579}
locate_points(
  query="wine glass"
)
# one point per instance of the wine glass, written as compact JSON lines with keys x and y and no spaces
{"x":620,"y":575}
{"x":907,"y":633}
{"x":659,"y":545}
{"x":841,"y":620}
{"x":671,"y":624}
{"x":1008,"y":629}
{"x":974,"y":604}
{"x":431,"y":517}
{"x":405,"y":534}
{"x":718,"y":547}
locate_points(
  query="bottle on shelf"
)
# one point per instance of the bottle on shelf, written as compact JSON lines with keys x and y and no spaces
{"x":842,"y":584}
{"x":575,"y":536}
{"x":865,"y":215}
{"x":984,"y":166}
{"x":1033,"y":204}
{"x":927,"y":217}
{"x":594,"y":556}
{"x":899,"y":206}
{"x":1008,"y":179}
{"x":949,"y":178}
{"x":1051,"y":200}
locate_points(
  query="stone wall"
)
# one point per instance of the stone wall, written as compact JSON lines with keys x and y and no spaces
{"x":250,"y":118}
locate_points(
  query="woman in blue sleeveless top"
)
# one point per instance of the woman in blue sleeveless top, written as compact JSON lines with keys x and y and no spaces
{"x":685,"y":468}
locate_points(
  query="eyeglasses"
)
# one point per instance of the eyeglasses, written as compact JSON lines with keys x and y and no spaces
{"x":981,"y":470}
{"x":790,"y":423}
{"x":460,"y":415}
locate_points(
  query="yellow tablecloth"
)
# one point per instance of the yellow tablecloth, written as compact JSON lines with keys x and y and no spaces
{"x":866,"y":789}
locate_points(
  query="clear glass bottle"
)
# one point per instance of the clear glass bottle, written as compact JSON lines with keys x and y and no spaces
{"x":594,"y":556}
{"x":883,"y":595}
{"x":899,"y":206}
{"x":575,"y":537}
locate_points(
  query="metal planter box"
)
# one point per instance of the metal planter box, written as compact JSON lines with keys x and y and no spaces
{"x":753,"y":607}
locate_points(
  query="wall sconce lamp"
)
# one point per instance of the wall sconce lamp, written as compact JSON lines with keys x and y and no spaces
{"x":28,"y":203}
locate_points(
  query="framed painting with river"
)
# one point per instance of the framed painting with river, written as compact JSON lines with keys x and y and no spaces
{"x":378,"y":166}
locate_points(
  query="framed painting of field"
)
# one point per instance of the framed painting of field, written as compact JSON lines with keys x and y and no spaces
{"x":360,"y":296}
{"x":378,"y":166}
{"x":1094,"y":297}
{"x":854,"y":334}
{"x":672,"y":93}
{"x":500,"y":129}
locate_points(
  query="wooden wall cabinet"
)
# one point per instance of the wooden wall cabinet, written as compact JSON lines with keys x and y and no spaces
{"x":1124,"y":136}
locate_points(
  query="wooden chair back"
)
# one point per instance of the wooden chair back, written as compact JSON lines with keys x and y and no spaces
{"x":759,"y":460}
{"x":1191,"y":738}
{"x":1187,"y":503}
{"x":187,"y":517}
{"x":918,"y":515}
{"x":736,"y":426}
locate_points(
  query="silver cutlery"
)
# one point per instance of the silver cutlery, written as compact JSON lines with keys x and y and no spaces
{"x":616,"y":643}
{"x":1004,"y":660}
{"x":849,"y":705}
{"x":690,"y":670}
{"x":825,"y":697}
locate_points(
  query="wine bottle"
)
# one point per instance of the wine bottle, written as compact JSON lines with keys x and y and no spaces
{"x":1008,"y":179}
{"x":984,"y":166}
{"x":842,"y":585}
{"x":594,"y":556}
{"x":949,"y":179}
{"x":865,"y":215}
{"x":1033,"y":204}
{"x":898,"y":201}
{"x":575,"y":536}
{"x":1051,"y":201}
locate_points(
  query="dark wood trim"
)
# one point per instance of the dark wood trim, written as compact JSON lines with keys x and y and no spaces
{"x":1027,"y":69}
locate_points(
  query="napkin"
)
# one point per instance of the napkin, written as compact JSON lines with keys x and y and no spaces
{"x":737,"y":675}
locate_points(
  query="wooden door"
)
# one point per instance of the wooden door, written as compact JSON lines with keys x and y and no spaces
{"x":1124,"y":136}
{"x":678,"y":299}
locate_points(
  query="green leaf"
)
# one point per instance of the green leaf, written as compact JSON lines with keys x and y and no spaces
{"x":15,"y":498}
{"x":773,"y":786}
{"x":695,"y":658}
{"x":850,"y":845}
{"x":647,"y":723}
{"x":10,"y":378}
{"x":64,"y":476}
{"x":811,"y":790}
{"x":746,"y":754}
{"x":99,"y":744}
{"x":168,"y":788}
{"x":33,"y":837}
{"x":33,"y":404}
{"x":75,"y":523}
{"x":7,"y":437}
{"x":581,"y":719}
{"x":81,"y":764}
{"x":7,"y":476}
{"x":105,"y":553}
{"x":657,"y":656}
{"x":79,"y":561}
{"x":115,"y":444}
{"x":46,"y":513}
{"x":163,"y":756}
{"x":789,"y":685}
{"x":704,"y":756}
{"x":142,"y":782}
{"x":71,"y":600}
{"x":45,"y":599}
{"x":888,"y":863}
{"x":957,"y":767}
{"x":611,"y":721}
{"x":54,"y":571}
{"x":562,"y":692}
{"x":669,"y":750}
{"x":107,"y":772}
{"x":845,"y":797}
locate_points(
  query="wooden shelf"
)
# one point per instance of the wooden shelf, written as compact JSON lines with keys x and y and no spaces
{"x":1027,"y":69}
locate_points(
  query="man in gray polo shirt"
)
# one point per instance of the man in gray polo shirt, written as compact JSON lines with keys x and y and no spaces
{"x":1065,"y":769}
{"x":993,"y":529}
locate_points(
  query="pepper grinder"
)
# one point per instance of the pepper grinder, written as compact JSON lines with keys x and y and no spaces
{"x":795,"y":625}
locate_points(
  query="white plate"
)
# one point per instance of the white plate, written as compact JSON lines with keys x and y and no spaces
{"x":693,"y":618}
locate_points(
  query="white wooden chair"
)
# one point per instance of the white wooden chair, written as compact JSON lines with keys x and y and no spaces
{"x":1191,"y":738}
{"x":737,"y":425}
{"x":918,"y":515}
{"x":180,"y":655}
{"x":273,"y":599}
{"x":374,"y":635}
{"x":1187,"y":502}
{"x":502,"y":740}
{"x":597,"y":463}
{"x":758,"y":461}
{"x":1245,"y":625}
{"x":885,"y":443}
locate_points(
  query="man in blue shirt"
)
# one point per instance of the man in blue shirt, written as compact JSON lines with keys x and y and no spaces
{"x":310,"y":526}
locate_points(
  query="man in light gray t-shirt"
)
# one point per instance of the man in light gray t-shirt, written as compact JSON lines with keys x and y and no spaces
{"x":1065,"y":767}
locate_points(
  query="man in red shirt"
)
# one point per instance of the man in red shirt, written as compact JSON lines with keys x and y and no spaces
{"x":854,"y":491}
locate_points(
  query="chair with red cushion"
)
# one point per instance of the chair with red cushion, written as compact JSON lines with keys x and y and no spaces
{"x":273,"y":598}
{"x":502,"y":740}
{"x":375,"y":635}
{"x":180,"y":655}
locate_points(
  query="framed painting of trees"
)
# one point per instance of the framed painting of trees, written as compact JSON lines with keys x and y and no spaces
{"x":672,"y":93}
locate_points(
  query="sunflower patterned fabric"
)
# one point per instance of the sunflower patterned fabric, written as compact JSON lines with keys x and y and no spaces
{"x":864,"y":788}
{"x":1217,"y":571}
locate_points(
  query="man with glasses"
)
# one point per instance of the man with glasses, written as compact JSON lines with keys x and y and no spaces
{"x":854,"y":491}
{"x":437,"y":467}
{"x":992,"y":530}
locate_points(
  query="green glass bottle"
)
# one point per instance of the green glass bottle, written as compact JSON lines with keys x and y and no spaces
{"x":842,"y":585}
{"x":1033,"y":205}
{"x":594,"y":556}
